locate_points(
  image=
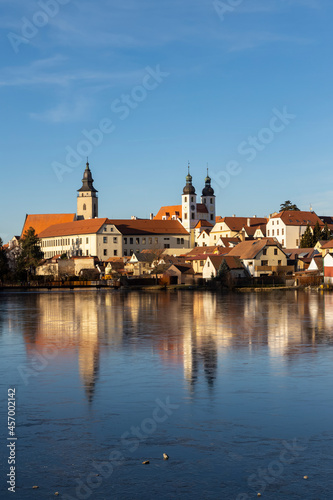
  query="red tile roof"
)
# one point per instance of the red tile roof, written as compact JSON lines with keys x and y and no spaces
{"x":203,"y":223}
{"x":232,"y":262}
{"x":237,"y":223}
{"x":250,"y":249}
{"x":42,"y":221}
{"x":147,"y":226}
{"x":327,"y":244}
{"x":169,"y":211}
{"x":298,"y":218}
{"x":88,"y":226}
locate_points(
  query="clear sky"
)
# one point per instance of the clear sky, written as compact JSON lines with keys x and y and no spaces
{"x":245,"y":86}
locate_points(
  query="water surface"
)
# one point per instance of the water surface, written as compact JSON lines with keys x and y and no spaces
{"x":236,"y":389}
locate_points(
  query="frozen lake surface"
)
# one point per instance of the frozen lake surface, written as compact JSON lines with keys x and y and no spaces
{"x":236,"y":389}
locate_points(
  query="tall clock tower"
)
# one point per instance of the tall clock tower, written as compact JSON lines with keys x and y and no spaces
{"x":87,"y":201}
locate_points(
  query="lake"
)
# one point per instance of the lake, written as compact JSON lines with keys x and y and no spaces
{"x":235,"y":388}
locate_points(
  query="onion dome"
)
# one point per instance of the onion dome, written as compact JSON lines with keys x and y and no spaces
{"x":208,"y":190}
{"x":87,"y":181}
{"x":189,"y":189}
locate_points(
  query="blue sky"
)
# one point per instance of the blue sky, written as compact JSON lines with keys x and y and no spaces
{"x":169,"y":82}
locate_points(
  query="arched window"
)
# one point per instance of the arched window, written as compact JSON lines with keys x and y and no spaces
{"x":84,"y":207}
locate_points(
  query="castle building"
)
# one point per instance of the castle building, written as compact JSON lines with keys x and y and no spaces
{"x":87,"y":201}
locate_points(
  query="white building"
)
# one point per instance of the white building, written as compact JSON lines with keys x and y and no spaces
{"x":289,"y":226}
{"x":105,"y":238}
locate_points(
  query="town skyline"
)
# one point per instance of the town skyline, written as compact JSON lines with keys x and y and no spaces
{"x":197,"y":85}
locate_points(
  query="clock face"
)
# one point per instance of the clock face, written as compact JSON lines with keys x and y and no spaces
{"x":192,"y":207}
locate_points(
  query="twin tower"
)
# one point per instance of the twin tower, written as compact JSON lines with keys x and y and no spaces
{"x":192,"y":212}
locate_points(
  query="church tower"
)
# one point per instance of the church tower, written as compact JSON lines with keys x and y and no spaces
{"x":87,"y":201}
{"x":189,"y":204}
{"x":208,"y":199}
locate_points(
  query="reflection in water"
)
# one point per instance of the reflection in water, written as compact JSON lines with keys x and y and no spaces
{"x":194,"y":331}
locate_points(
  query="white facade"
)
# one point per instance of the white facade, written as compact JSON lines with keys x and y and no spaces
{"x":287,"y":236}
{"x":108,"y":242}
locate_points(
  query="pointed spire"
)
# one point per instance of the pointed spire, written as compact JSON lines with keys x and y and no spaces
{"x":87,"y":181}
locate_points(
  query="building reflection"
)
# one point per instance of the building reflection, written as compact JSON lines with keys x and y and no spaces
{"x":195,"y":332}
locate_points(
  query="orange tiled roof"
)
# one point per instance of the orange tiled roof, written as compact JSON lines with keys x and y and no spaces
{"x":169,"y":211}
{"x":232,"y":262}
{"x":88,"y":226}
{"x":298,"y":218}
{"x":147,"y":226}
{"x":327,"y":244}
{"x":237,"y":223}
{"x":40,"y":222}
{"x":203,"y":223}
{"x":176,"y":210}
{"x":250,"y":249}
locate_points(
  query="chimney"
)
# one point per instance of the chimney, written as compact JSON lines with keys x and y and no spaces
{"x":151,"y":216}
{"x":234,"y":215}
{"x":242,"y":235}
{"x":248,"y":221}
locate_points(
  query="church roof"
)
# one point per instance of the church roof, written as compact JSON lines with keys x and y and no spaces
{"x":40,"y":222}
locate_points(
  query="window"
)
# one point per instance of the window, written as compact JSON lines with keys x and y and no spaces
{"x":297,"y":243}
{"x":272,"y":232}
{"x":211,"y":200}
{"x":137,"y":241}
{"x":208,"y":264}
{"x":182,"y":241}
{"x":192,"y":215}
{"x":84,"y":206}
{"x":150,"y":241}
{"x":279,"y":262}
{"x":115,"y":253}
{"x":87,"y":252}
{"x":111,"y":229}
{"x":264,"y":262}
{"x":211,"y":216}
{"x":156,"y":240}
{"x":282,"y":242}
{"x":105,"y":239}
{"x":277,"y":232}
{"x":166,"y":245}
{"x":202,"y":263}
{"x":264,"y":252}
{"x":131,"y":241}
{"x":143,"y":241}
{"x":282,"y":232}
{"x":125,"y":253}
{"x":272,"y":223}
{"x":87,"y":240}
{"x":125,"y":241}
{"x":105,"y":228}
{"x":185,"y":215}
{"x":115,"y":239}
{"x":80,"y":241}
{"x":105,"y":252}
{"x":185,"y":199}
{"x":178,"y":241}
{"x":204,"y":200}
{"x":277,"y":222}
{"x":275,"y":251}
{"x":166,"y":238}
{"x":192,"y":199}
{"x":214,"y":237}
{"x":268,"y":232}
